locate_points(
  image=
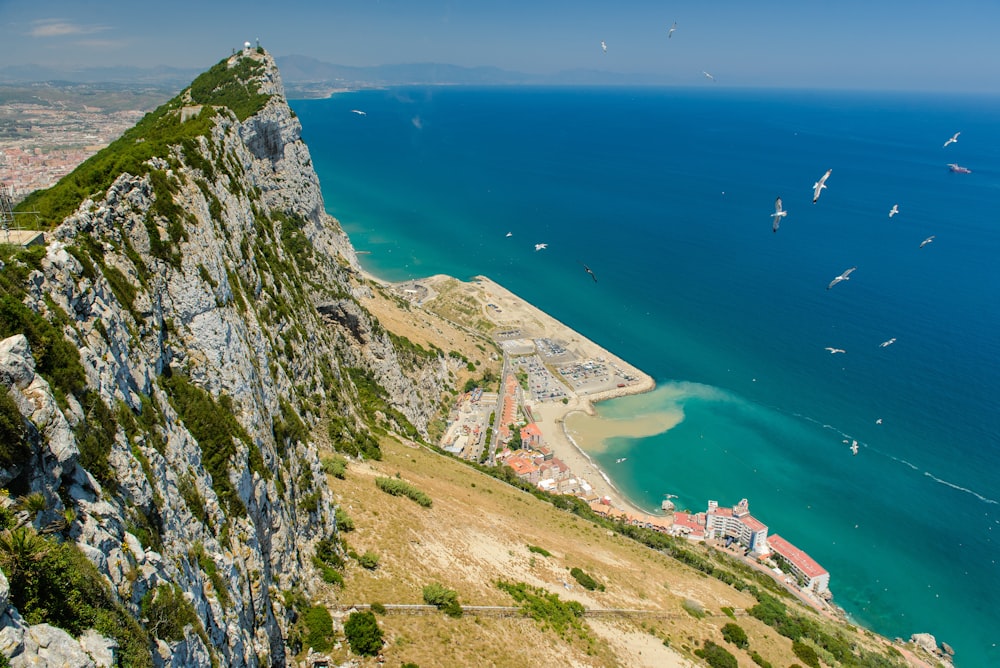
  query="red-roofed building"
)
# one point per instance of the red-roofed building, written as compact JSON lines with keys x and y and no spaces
{"x":738,"y":524}
{"x":810,"y":574}
{"x":531,"y":435}
{"x":525,"y":469}
{"x":686,"y":524}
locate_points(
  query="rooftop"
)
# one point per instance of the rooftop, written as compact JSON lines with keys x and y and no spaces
{"x":800,"y":559}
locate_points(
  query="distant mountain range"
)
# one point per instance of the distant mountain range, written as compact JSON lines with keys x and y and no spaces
{"x":308,"y":77}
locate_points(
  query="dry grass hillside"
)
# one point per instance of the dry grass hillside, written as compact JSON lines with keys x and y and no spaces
{"x":477,"y":531}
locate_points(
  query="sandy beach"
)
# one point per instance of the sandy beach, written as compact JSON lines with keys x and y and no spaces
{"x":514,"y":318}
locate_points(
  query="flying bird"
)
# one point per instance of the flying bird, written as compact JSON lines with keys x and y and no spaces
{"x":358,"y":112}
{"x":834,"y":351}
{"x":927,"y":241}
{"x":708,"y":76}
{"x":886,"y":344}
{"x":604,"y":46}
{"x":589,"y":271}
{"x":894,"y":210}
{"x":954,"y":139}
{"x":842,"y":277}
{"x":854,"y":447}
{"x":778,"y":214}
{"x":670,"y":33}
{"x":878,"y":421}
{"x":819,"y":185}
{"x":510,"y":234}
{"x":539,"y":247}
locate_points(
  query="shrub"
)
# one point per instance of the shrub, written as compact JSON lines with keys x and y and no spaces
{"x":166,"y":612}
{"x":717,"y":656}
{"x":55,"y":583}
{"x":693,"y":608}
{"x":368,"y":560}
{"x":585,"y":580}
{"x":343,"y":520}
{"x":734,"y":634}
{"x":363,"y":633}
{"x":14,"y":447}
{"x":328,"y":561}
{"x":397,"y":487}
{"x":443,"y":598}
{"x":539,"y":550}
{"x":214,"y":426}
{"x":319,"y":628}
{"x":546,"y":608}
{"x":335,"y":466}
{"x":377,"y":608}
{"x":805,"y":653}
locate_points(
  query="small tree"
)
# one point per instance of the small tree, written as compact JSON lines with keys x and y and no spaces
{"x":445,"y":599}
{"x":734,"y":633}
{"x":363,"y":633}
{"x":585,"y":580}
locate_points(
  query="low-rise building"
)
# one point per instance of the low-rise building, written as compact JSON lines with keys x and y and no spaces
{"x":809,"y":573}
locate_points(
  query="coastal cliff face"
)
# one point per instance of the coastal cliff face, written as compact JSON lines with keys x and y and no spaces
{"x":206,"y":295}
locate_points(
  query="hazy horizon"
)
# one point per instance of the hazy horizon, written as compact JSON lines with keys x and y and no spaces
{"x":891,"y":45}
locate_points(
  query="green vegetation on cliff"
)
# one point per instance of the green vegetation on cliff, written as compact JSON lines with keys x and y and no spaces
{"x":236,"y":88}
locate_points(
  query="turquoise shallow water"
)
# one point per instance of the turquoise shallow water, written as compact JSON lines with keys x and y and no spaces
{"x":666,"y":195}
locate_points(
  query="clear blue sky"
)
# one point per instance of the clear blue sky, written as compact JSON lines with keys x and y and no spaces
{"x":890,"y":44}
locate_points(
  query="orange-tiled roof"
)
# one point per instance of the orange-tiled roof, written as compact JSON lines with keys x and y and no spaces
{"x":753,"y":523}
{"x":796,"y":556}
{"x":531,"y":429}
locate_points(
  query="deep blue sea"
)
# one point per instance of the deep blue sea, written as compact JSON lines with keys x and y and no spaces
{"x":666,"y":194}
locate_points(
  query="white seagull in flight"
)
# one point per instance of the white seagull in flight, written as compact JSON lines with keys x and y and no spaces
{"x":358,"y":112}
{"x":894,"y":210}
{"x":778,"y":214}
{"x":927,"y":241}
{"x":854,"y":447}
{"x":953,"y":140}
{"x":510,"y":234}
{"x":539,"y":247}
{"x":708,"y":76}
{"x":842,"y":277}
{"x":834,"y":351}
{"x":604,"y":46}
{"x":886,"y":344}
{"x":670,"y":33}
{"x":819,"y":185}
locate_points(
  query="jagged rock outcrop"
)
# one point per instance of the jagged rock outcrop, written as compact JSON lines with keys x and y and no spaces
{"x":189,"y":288}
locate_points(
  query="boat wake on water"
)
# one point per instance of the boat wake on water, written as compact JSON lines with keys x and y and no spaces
{"x":848,"y":438}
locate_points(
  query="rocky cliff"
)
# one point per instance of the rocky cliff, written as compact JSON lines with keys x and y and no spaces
{"x":167,"y":361}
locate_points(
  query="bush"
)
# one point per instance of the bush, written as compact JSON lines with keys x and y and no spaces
{"x":397,"y":487}
{"x":328,"y":561}
{"x":343,"y":520}
{"x":363,"y":633}
{"x":319,"y":628}
{"x":585,"y":580}
{"x":693,"y":608}
{"x":166,"y":612}
{"x":443,"y":598}
{"x":335,"y":466}
{"x":55,"y":583}
{"x":546,"y":608}
{"x":377,"y":608}
{"x":805,"y":653}
{"x":14,"y":448}
{"x":539,"y":550}
{"x":368,"y":560}
{"x":214,"y":426}
{"x":734,"y":634}
{"x":717,"y":656}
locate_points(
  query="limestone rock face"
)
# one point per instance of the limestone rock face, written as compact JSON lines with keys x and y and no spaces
{"x":198,"y":282}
